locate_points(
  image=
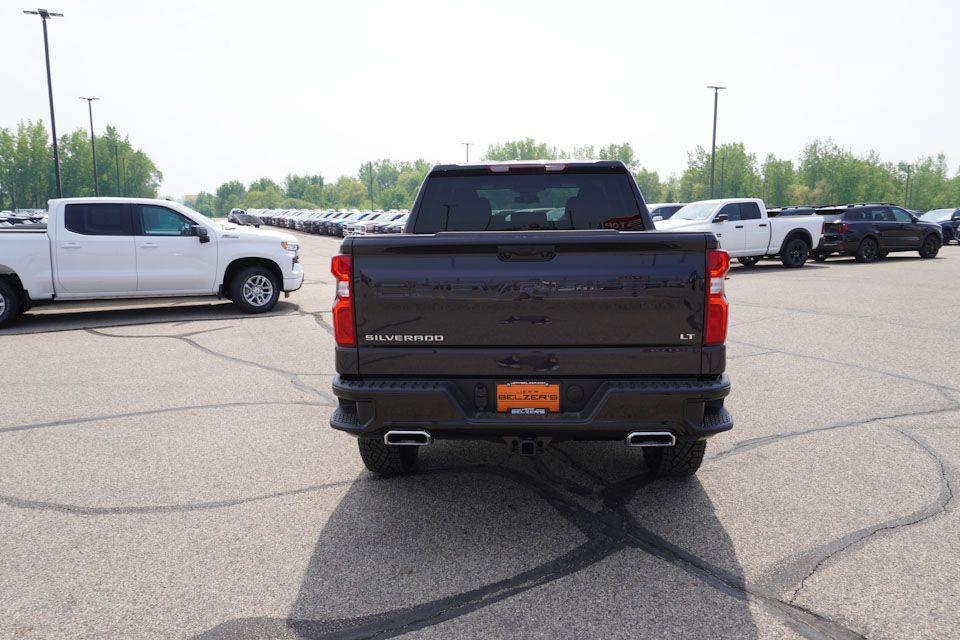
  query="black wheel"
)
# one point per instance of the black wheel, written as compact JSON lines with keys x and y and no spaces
{"x":386,"y":460}
{"x":867,"y":251}
{"x":254,"y":290}
{"x":930,"y":247}
{"x":9,"y":303}
{"x":682,"y":459}
{"x":749,"y":261}
{"x":795,"y":254}
{"x":819,"y":257}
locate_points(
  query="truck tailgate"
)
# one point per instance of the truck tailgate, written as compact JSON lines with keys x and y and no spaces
{"x":550,"y":302}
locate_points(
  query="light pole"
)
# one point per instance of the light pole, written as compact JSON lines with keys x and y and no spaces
{"x":713,"y":146}
{"x":44,"y":16}
{"x":467,"y":145}
{"x":116,"y":156}
{"x":93,"y":145}
{"x":722,"y":162}
{"x":906,"y":190}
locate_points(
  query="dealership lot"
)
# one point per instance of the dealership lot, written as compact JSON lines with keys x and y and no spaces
{"x":168,"y":471}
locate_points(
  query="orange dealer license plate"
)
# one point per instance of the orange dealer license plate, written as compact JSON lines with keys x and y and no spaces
{"x":528,"y":398}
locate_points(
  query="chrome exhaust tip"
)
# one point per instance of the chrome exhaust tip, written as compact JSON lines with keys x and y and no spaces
{"x":651,"y":439}
{"x":407,"y":438}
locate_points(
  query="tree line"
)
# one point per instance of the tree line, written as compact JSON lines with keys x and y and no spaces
{"x":824,"y":173}
{"x":383,"y":184}
{"x":28,"y":178}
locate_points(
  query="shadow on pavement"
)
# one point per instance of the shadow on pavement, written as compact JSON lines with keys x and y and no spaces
{"x":68,"y":316}
{"x":405,"y":554}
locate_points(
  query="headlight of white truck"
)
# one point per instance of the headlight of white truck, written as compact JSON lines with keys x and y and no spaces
{"x":290,"y":246}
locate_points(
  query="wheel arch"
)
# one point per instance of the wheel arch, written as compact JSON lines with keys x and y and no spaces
{"x":871,"y":236}
{"x":242,"y":263}
{"x":11,"y":278}
{"x":803,"y":234}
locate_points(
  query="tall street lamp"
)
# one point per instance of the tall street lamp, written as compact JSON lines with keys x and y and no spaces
{"x":713,"y":146}
{"x":467,"y":145}
{"x":116,"y":156}
{"x":93,"y":145}
{"x":44,"y":16}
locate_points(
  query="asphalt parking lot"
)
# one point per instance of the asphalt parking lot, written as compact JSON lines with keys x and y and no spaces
{"x":168,"y":471}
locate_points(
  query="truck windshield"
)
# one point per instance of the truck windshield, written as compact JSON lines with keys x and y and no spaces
{"x":528,"y":202}
{"x":695,"y":211}
{"x":938,"y":215}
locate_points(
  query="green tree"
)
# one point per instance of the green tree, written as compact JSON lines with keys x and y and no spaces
{"x":622,"y":152}
{"x":346,"y":193}
{"x":268,"y":198}
{"x":930,"y":185}
{"x":230,"y":195}
{"x":649,"y":183}
{"x":297,"y":186}
{"x":264,"y":184}
{"x":205,"y":203}
{"x":778,"y":176}
{"x":526,"y":149}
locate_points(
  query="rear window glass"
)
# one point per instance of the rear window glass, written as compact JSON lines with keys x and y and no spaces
{"x":749,"y":211}
{"x":528,"y":202}
{"x":99,"y":219}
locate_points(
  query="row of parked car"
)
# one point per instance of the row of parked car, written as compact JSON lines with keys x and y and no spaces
{"x":749,"y":231}
{"x":331,"y":222}
{"x":23,"y":217}
{"x":867,"y":231}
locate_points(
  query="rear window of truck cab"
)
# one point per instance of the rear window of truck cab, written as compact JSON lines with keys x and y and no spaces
{"x":532,"y":201}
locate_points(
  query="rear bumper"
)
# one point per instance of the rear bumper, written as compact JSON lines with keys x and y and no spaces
{"x":829,"y":245}
{"x":690,"y":409}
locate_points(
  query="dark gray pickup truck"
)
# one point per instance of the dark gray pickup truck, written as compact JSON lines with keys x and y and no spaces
{"x":531,"y":303}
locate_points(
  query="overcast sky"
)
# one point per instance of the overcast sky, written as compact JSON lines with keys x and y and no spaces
{"x":220,"y":90}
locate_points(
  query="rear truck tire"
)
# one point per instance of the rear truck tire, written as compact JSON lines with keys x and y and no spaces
{"x":9,"y":303}
{"x":386,"y":460}
{"x":867,"y":251}
{"x":795,"y":253}
{"x":749,"y":261}
{"x":254,"y":290}
{"x":679,"y":461}
{"x":930,"y":247}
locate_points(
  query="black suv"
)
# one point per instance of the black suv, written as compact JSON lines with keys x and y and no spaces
{"x":871,"y":231}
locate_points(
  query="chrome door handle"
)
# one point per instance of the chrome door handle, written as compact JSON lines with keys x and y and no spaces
{"x":70,"y":245}
{"x":149,"y":245}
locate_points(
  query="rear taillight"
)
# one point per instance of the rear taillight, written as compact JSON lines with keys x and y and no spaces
{"x":715,"y":318}
{"x":842,"y":227}
{"x":343,"y":325}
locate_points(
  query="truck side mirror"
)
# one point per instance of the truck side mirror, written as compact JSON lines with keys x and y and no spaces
{"x":720,"y":217}
{"x":201,"y":232}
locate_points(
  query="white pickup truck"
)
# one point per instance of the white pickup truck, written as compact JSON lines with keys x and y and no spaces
{"x":747,"y":233}
{"x":94,"y":248}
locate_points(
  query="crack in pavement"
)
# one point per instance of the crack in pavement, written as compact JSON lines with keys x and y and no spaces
{"x":763,"y":441}
{"x":609,"y":530}
{"x":84,"y":510}
{"x":852,"y":365}
{"x":809,"y":562}
{"x":147,"y":412}
{"x":293,"y":377}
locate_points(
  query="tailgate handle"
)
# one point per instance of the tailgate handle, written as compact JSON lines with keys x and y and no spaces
{"x":527,"y":253}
